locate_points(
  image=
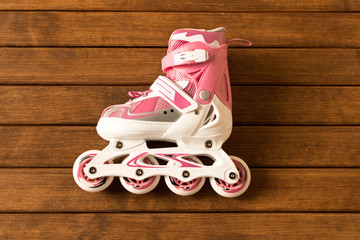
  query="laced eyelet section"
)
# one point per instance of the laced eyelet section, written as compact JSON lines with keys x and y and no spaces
{"x":134,"y":94}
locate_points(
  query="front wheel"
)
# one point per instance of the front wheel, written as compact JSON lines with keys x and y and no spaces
{"x":82,"y":180}
{"x":233,"y":190}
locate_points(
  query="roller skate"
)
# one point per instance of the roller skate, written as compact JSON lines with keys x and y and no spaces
{"x":190,"y":108}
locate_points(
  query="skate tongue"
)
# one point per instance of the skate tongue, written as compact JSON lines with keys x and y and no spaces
{"x":180,"y":37}
{"x":182,"y":84}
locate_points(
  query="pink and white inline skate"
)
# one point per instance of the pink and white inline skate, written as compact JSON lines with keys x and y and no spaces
{"x":191,"y":108}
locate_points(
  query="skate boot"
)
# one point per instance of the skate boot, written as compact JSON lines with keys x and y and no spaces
{"x":190,"y":107}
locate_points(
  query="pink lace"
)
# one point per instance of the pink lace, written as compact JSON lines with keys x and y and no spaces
{"x":138,"y":94}
{"x":240,"y":41}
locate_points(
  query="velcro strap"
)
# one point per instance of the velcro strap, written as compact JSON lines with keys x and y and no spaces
{"x":175,"y":58}
{"x":173,"y":94}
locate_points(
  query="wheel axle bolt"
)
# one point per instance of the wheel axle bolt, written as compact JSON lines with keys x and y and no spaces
{"x":232,"y":175}
{"x":208,"y":144}
{"x":139,"y":172}
{"x":186,"y":174}
{"x":92,"y":170}
{"x":119,"y":145}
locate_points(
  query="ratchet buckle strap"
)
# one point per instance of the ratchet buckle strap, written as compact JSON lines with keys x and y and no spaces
{"x":175,"y":58}
{"x":173,"y":94}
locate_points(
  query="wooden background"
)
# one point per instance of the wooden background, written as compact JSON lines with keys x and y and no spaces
{"x":296,"y":116}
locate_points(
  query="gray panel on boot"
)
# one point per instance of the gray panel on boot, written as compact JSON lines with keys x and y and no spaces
{"x":166,"y":115}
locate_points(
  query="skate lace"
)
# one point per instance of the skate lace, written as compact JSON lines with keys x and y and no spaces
{"x":240,"y":41}
{"x":135,"y":94}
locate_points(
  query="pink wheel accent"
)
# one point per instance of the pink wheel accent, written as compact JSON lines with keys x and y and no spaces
{"x":185,"y":186}
{"x":239,"y":185}
{"x":141,"y":184}
{"x":97,"y":182}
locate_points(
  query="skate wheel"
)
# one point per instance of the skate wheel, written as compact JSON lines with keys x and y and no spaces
{"x":82,"y":180}
{"x":185,"y":188}
{"x":233,"y":190}
{"x":141,"y":186}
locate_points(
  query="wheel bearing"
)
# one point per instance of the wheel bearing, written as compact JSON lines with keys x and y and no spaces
{"x":186,"y":174}
{"x":232,"y":175}
{"x":92,"y":170}
{"x":139,"y":172}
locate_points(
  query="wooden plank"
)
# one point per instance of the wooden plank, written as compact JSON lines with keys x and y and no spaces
{"x":54,"y":190}
{"x":252,"y":104}
{"x":296,"y":105}
{"x":154,"y":29}
{"x":172,"y":225}
{"x":120,"y":66}
{"x":116,"y":66}
{"x":352,"y":5}
{"x":58,"y":146}
{"x":296,"y":146}
{"x":187,"y":5}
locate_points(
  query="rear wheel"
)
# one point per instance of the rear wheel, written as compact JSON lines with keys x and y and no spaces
{"x":236,"y":189}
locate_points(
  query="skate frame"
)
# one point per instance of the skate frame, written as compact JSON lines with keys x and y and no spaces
{"x":133,"y":166}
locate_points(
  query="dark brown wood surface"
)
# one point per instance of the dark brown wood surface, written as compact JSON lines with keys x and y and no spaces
{"x":178,"y":226}
{"x":272,"y":190}
{"x":296,"y":96}
{"x":119,"y":66}
{"x":254,"y":105}
{"x":261,"y":146}
{"x":185,"y":5}
{"x":153,"y":29}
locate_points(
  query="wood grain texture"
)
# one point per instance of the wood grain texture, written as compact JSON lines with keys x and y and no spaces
{"x":153,"y":28}
{"x":119,"y":66}
{"x":352,"y":5}
{"x":260,"y":146}
{"x":186,"y":5}
{"x":252,"y":104}
{"x":172,"y":225}
{"x":296,"y":97}
{"x":272,"y":189}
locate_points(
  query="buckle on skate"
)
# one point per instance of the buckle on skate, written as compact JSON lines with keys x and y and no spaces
{"x":183,"y":58}
{"x":173,"y":94}
{"x":196,"y":56}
